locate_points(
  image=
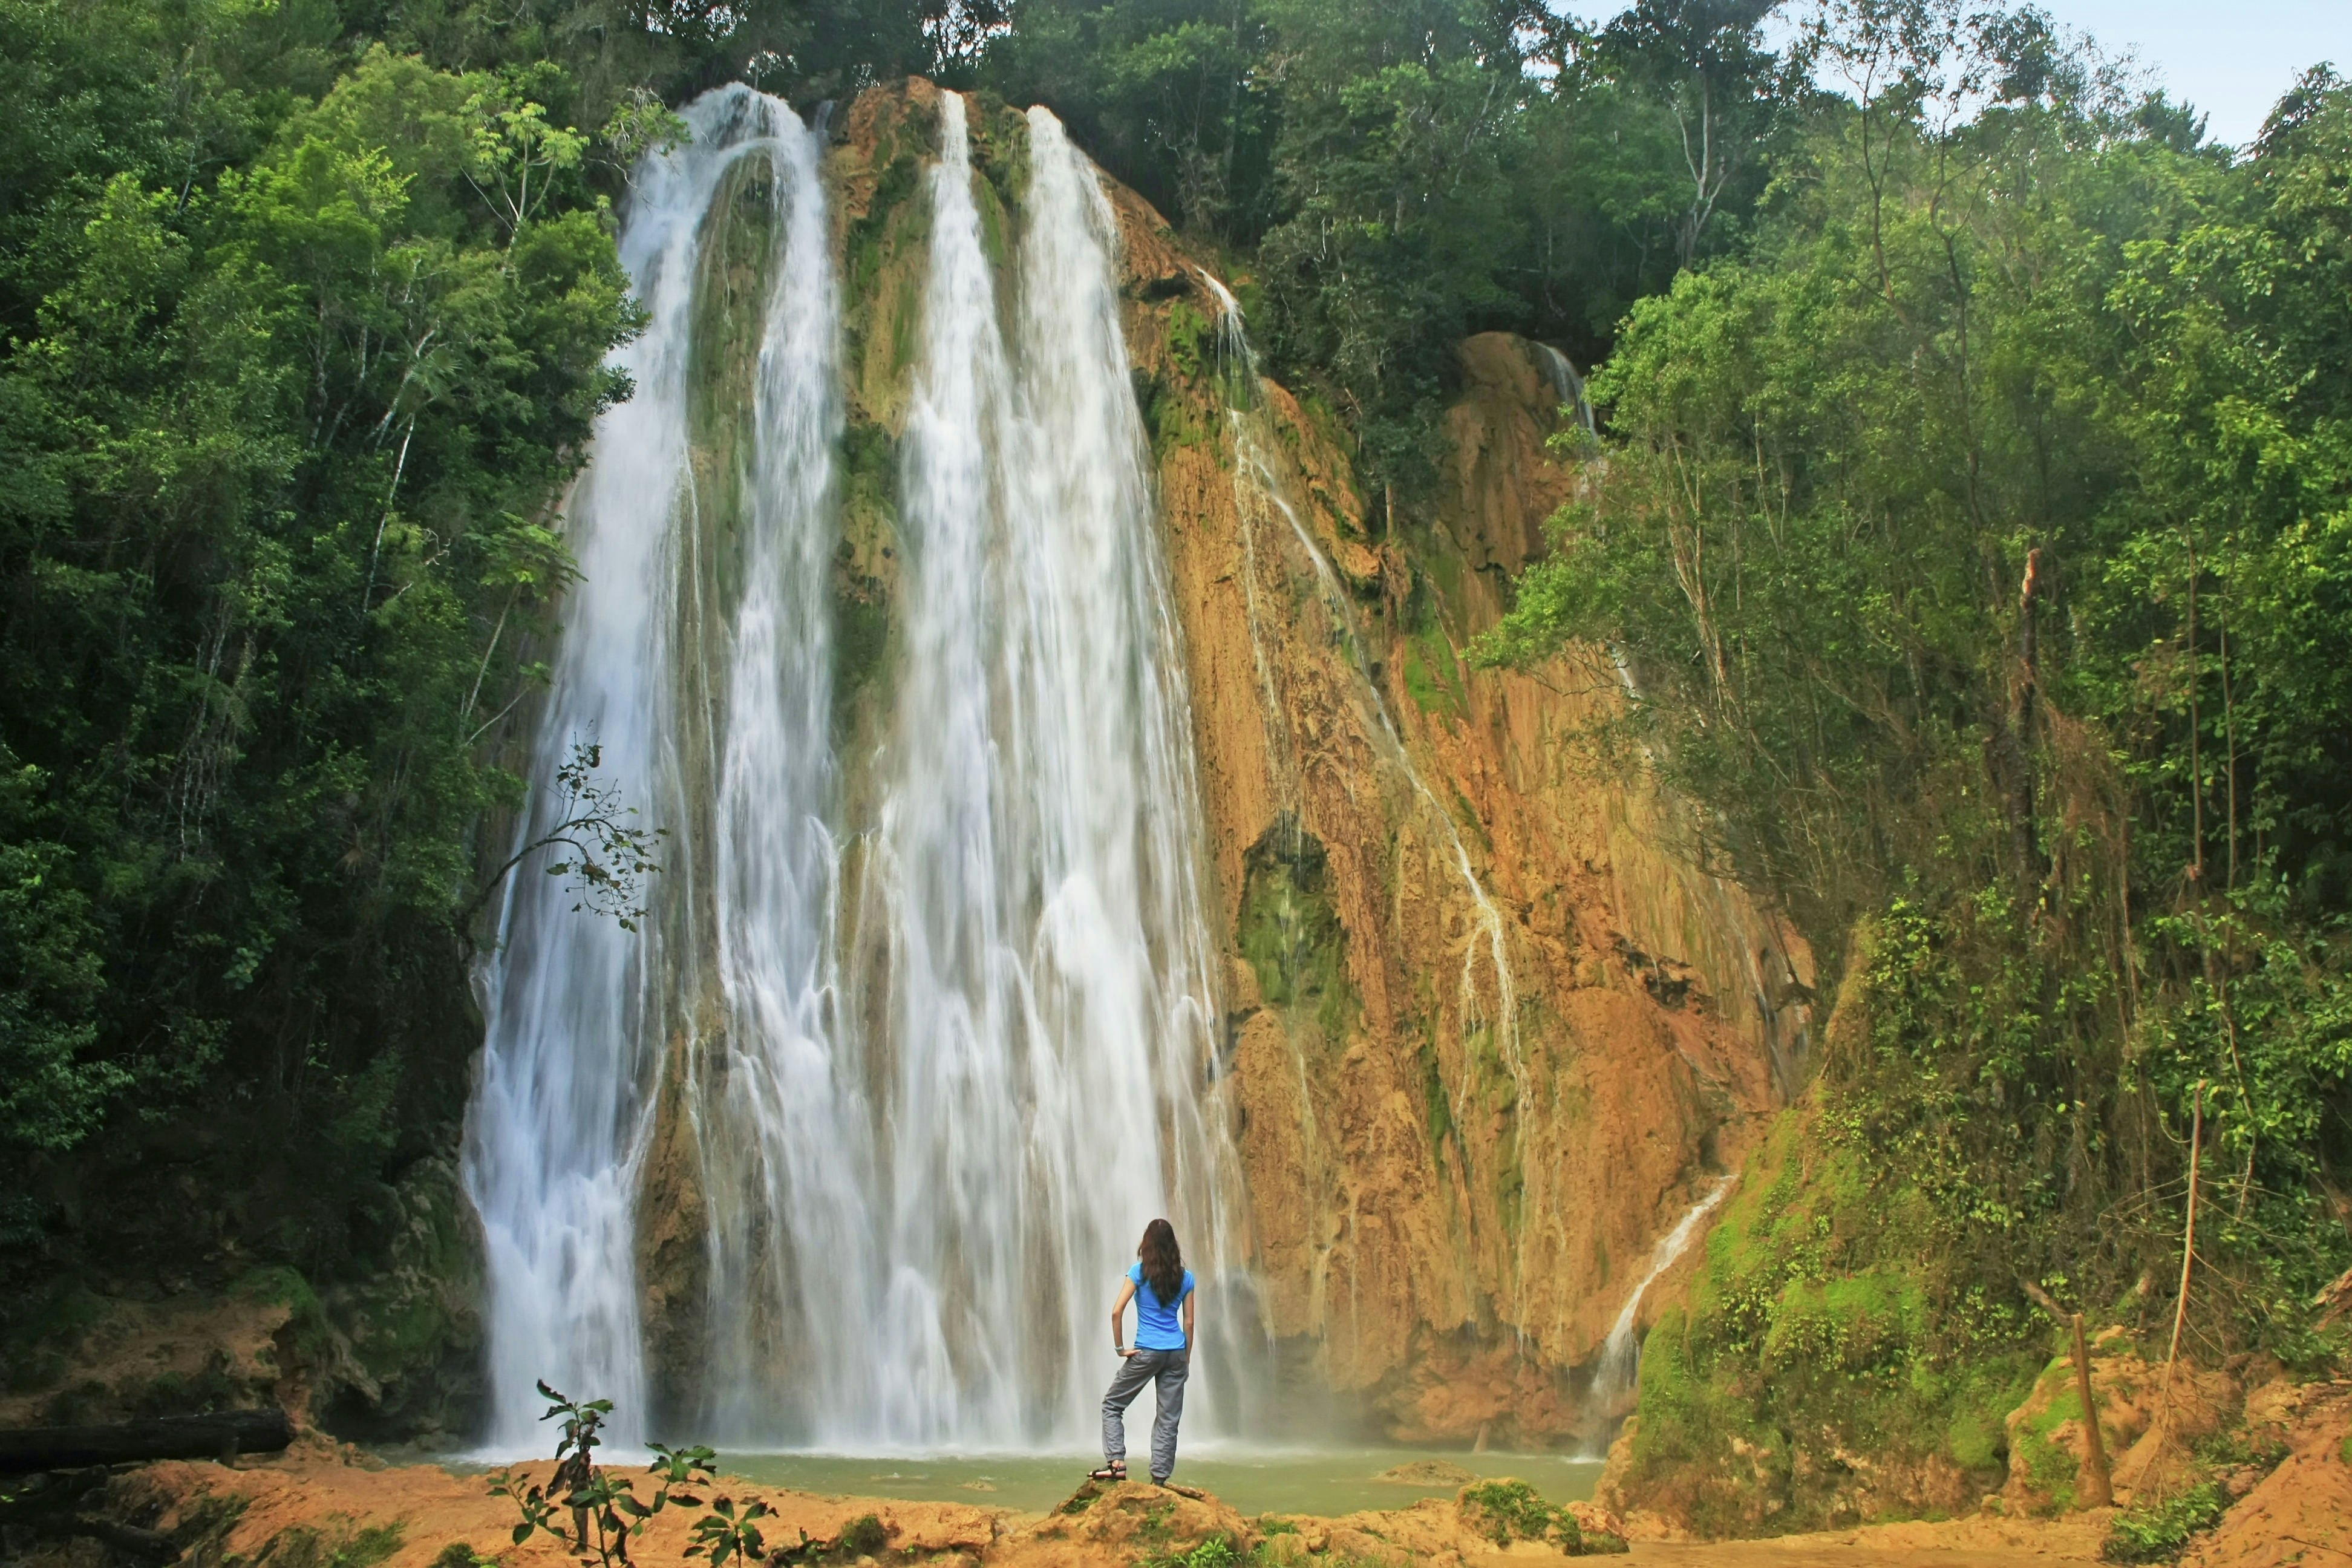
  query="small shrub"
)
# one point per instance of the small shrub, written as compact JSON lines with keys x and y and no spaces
{"x":459,"y":1555}
{"x":595,"y":1497}
{"x":726,"y":1533}
{"x":863,"y":1536}
{"x":1507,"y":1511}
{"x":2161,"y":1531}
{"x":1216,"y":1552}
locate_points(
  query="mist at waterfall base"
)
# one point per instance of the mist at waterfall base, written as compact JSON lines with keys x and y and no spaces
{"x":938,"y":1045}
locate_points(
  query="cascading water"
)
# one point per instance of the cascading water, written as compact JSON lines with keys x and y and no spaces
{"x":783,"y":1124}
{"x":573,"y":1005}
{"x":929,"y":1102}
{"x":1569,"y":386}
{"x":1030,"y":890}
{"x":1621,"y":1352}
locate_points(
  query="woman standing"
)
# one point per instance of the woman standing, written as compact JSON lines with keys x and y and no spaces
{"x":1157,"y":1283}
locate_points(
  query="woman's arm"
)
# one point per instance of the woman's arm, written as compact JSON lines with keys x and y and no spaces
{"x":1189,"y":1300}
{"x":1118,"y":1317}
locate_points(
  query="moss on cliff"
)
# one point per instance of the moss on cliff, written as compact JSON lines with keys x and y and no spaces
{"x":731,"y":307}
{"x":410,"y":1335}
{"x":1821,"y":1330}
{"x":862,"y":571}
{"x":1000,"y":152}
{"x":1290,"y":930}
{"x":1432,"y":676}
{"x":1435,"y":1106}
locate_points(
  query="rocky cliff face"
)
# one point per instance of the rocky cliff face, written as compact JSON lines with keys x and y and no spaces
{"x":1488,"y":1036}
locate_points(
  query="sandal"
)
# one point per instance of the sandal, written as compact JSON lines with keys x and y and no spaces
{"x":1114,"y":1471}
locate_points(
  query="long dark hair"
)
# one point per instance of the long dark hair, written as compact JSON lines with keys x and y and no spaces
{"x":1163,"y":1261}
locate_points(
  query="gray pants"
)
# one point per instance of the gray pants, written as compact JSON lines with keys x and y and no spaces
{"x":1169,"y":1370}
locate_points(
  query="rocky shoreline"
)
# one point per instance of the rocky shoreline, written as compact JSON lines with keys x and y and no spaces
{"x":325,"y":1505}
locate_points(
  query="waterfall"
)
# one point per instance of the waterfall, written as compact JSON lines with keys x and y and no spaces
{"x":575,"y":1008}
{"x":1621,"y":1352}
{"x":1569,"y":386}
{"x":1032,"y":879}
{"x":937,"y":1045}
{"x":785,"y":1129}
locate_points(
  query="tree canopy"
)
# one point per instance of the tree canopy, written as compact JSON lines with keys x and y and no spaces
{"x":1974,"y":535}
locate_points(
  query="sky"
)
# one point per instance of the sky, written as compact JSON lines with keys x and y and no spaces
{"x":2232,"y":59}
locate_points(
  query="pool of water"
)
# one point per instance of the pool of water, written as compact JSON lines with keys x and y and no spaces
{"x":1253,"y":1481}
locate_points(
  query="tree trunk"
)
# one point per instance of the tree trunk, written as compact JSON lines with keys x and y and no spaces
{"x":222,"y":1435}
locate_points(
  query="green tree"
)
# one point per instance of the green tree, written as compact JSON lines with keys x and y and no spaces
{"x":1972,"y":541}
{"x":302,"y":349}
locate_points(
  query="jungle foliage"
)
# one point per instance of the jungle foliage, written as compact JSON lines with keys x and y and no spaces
{"x":1395,"y":176}
{"x":1976,"y":537}
{"x":304,"y":336}
{"x":306,"y":306}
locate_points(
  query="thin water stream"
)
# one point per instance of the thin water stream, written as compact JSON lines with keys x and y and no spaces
{"x":1260,"y":485}
{"x":1621,"y":1352}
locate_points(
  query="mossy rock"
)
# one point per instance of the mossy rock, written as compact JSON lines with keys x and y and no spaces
{"x":339,"y":1542}
{"x":1290,"y":930}
{"x":1508,"y":1509}
{"x":405,"y":1356}
{"x":1813,"y":1331}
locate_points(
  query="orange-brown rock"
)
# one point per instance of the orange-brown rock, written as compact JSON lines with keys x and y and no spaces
{"x":317,"y":1503}
{"x":2148,"y":1420}
{"x":1551,"y":1026}
{"x":1110,"y":1526}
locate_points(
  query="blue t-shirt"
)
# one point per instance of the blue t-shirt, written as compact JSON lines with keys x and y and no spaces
{"x":1156,"y":1326}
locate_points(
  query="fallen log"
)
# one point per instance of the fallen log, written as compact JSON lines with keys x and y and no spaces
{"x":220,"y":1434}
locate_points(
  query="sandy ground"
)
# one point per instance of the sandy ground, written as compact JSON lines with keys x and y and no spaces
{"x":2301,"y":1512}
{"x":1976,"y":1542}
{"x":304,"y":1509}
{"x":337,"y":1493}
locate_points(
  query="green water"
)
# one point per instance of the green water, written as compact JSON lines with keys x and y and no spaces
{"x":1253,"y":1481}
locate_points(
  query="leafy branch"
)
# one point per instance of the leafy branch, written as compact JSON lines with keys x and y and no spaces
{"x":513,"y":153}
{"x":607,"y":852}
{"x":642,"y":124}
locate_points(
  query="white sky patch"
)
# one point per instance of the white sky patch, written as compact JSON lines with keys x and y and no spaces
{"x":2231,"y":58}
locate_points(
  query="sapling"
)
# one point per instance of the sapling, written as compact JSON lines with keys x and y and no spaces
{"x":599,"y":1501}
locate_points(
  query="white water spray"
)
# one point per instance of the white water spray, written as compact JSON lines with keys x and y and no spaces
{"x":1621,"y":1352}
{"x":575,"y":1008}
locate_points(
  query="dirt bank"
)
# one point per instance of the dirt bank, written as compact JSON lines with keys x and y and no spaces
{"x":335,"y":1507}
